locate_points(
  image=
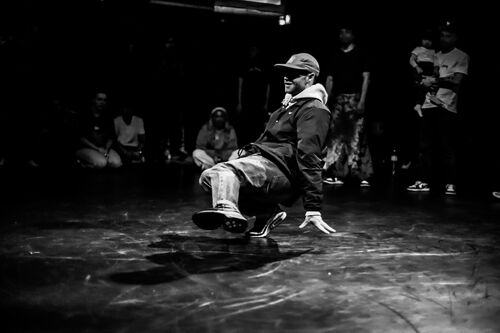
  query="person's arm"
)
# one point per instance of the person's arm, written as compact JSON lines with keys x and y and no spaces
{"x":414,"y":64}
{"x":141,"y":133}
{"x":312,"y":130}
{"x":86,"y":142}
{"x":108,"y":145}
{"x":364,"y":90}
{"x":452,"y":82}
{"x":202,"y":141}
{"x":142,"y":141}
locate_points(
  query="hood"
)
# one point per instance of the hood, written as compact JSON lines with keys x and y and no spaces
{"x":316,"y":91}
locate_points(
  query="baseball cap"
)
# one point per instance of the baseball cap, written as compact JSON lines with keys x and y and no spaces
{"x":449,"y":26}
{"x":301,"y":61}
{"x":219,"y":110}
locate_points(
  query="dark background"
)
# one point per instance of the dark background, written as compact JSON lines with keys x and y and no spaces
{"x":72,"y":48}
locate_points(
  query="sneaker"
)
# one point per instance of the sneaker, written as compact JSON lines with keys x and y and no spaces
{"x":333,"y":181}
{"x":222,"y":214}
{"x":419,"y":187}
{"x":450,"y":189}
{"x":364,"y":183}
{"x":496,"y":195}
{"x":262,"y":227}
{"x":406,"y":166}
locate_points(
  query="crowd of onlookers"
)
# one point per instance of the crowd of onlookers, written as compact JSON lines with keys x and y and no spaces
{"x":151,"y":121}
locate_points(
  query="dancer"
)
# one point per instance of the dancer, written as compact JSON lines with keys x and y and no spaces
{"x":283,"y":164}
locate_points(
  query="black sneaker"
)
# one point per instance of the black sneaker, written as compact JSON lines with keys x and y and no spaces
{"x":262,"y":227}
{"x":223,"y":215}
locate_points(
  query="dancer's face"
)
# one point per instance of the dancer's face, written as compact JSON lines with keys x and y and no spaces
{"x":295,"y":81}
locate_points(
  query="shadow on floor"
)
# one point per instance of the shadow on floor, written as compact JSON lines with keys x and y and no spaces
{"x":203,"y":255}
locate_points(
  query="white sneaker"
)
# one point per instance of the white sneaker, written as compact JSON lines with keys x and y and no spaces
{"x":364,"y":183}
{"x":450,"y":189}
{"x":496,"y":195}
{"x":419,"y":187}
{"x":333,"y":181}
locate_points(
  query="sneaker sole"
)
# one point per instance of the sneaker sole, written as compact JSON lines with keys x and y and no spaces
{"x":235,"y":225}
{"x":418,"y":190}
{"x":267,"y":228}
{"x":451,"y":193}
{"x":208,"y":220}
{"x":332,"y":183}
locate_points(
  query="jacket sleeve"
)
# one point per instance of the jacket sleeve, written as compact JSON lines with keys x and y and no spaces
{"x":312,"y":129}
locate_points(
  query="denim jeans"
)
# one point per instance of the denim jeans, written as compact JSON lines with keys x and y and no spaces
{"x":259,"y":182}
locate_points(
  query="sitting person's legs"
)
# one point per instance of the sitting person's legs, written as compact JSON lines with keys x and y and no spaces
{"x":256,"y":176}
{"x":202,"y":159}
{"x":90,"y":158}
{"x":114,"y":160}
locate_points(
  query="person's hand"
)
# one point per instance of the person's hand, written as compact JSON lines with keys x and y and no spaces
{"x":419,"y":70}
{"x":318,"y":222}
{"x":428,"y":81}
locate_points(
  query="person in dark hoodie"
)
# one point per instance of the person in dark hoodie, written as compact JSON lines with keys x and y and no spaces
{"x":216,"y":141}
{"x":284,"y":163}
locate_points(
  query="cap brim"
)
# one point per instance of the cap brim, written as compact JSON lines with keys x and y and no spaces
{"x":288,"y":66}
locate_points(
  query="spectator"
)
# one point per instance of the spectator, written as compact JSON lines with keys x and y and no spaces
{"x":130,"y":136}
{"x":439,"y":113}
{"x":347,"y":82}
{"x":96,"y":132}
{"x":216,"y":141}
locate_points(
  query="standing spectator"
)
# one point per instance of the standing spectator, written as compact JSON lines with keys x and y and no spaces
{"x":96,"y":130}
{"x":253,"y":96}
{"x":130,"y":136}
{"x":347,"y":82}
{"x":216,"y":141}
{"x":439,"y":113}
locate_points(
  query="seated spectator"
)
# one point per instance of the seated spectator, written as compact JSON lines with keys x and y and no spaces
{"x":96,"y":134}
{"x":130,"y":136}
{"x":216,"y":141}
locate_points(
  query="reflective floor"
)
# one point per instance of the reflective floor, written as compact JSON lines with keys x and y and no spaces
{"x":116,"y":251}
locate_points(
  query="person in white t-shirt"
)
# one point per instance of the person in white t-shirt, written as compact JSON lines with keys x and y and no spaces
{"x":423,"y":60}
{"x":130,"y":136}
{"x":439,"y":112}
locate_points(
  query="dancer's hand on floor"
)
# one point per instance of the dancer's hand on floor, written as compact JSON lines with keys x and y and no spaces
{"x":318,"y":222}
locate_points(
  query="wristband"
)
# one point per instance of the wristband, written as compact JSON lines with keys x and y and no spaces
{"x":313,"y":213}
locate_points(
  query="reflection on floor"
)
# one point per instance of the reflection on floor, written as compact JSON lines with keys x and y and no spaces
{"x":116,"y":251}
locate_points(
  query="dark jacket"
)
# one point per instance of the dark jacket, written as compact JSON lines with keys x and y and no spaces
{"x":295,"y":139}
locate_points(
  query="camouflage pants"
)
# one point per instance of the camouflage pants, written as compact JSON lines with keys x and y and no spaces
{"x":348,"y":151}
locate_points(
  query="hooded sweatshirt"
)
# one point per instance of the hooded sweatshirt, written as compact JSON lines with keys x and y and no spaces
{"x":295,"y":138}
